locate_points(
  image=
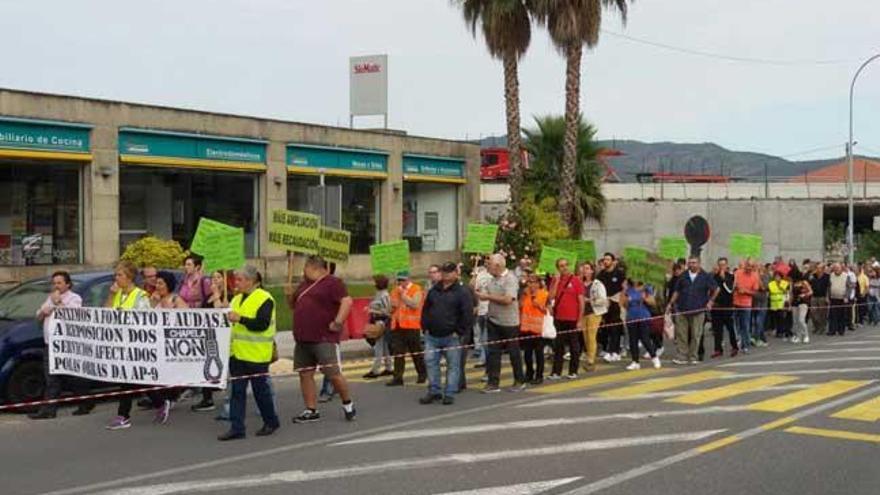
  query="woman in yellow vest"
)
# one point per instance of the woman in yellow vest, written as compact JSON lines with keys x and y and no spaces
{"x":253,"y":338}
{"x":532,"y":312}
{"x":406,"y":335}
{"x":124,"y":294}
{"x":778,"y":288}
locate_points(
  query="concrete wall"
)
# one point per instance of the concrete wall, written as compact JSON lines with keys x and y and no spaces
{"x":101,"y":194}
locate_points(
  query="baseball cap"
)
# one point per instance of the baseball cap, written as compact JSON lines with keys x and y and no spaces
{"x":404,"y":275}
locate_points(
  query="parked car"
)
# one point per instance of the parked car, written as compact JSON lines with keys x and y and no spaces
{"x":21,"y":335}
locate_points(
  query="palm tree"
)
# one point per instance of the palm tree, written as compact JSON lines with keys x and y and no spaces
{"x":545,"y":145}
{"x":506,"y":28}
{"x":573,"y":24}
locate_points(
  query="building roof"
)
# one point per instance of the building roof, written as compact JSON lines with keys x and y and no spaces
{"x":864,"y":169}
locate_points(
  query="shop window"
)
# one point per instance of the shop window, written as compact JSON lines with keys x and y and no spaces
{"x":343,"y":203}
{"x":430,"y":216}
{"x":169,"y":203}
{"x":39,"y":214}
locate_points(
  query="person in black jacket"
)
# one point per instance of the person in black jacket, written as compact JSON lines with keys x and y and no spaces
{"x":722,"y":313}
{"x":447,"y":315}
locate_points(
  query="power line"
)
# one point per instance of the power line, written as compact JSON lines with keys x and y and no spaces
{"x":720,"y":56}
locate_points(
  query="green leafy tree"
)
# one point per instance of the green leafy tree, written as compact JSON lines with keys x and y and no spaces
{"x":152,"y":251}
{"x":571,"y":25}
{"x":545,"y":144}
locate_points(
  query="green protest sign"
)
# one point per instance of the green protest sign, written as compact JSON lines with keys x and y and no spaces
{"x":294,"y":231}
{"x":200,"y":243}
{"x":334,"y":245}
{"x":633,"y":253}
{"x":225,"y":251}
{"x":651,"y":269}
{"x":584,"y":249}
{"x":673,"y":248}
{"x":746,"y":245}
{"x":480,"y":238}
{"x":549,"y":256}
{"x":390,"y":257}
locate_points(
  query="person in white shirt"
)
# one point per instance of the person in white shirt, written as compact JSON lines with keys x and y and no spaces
{"x":480,"y":282}
{"x":62,"y":296}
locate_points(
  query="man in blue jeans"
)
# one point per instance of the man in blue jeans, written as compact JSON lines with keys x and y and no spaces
{"x":447,"y":314}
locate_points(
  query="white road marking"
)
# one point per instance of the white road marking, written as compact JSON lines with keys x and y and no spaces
{"x":825,"y":371}
{"x":534,"y":423}
{"x":619,"y":478}
{"x":853,"y":342}
{"x":522,"y":489}
{"x":381,"y":468}
{"x":835,"y":351}
{"x":799,"y":361}
{"x":654,"y":395}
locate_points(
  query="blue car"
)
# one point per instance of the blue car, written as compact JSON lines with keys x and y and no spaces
{"x":21,"y":335}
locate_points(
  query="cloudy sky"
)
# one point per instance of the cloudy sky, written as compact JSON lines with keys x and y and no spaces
{"x":289,"y":58}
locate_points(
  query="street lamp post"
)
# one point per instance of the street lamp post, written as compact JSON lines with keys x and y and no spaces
{"x":850,"y":240}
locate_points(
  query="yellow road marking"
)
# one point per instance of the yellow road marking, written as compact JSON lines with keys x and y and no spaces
{"x":664,"y":384}
{"x":595,"y":381}
{"x":839,"y":434}
{"x":866,"y":411}
{"x":717,"y":444}
{"x":779,"y":422}
{"x":733,"y":390}
{"x":807,"y":396}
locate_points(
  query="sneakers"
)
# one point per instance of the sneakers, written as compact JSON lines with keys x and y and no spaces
{"x":349,"y":411}
{"x":806,"y":340}
{"x":430,"y":399}
{"x":795,"y":340}
{"x":448,"y":400}
{"x":163,"y":413}
{"x":611,"y":358}
{"x":554,"y":377}
{"x":694,"y":363}
{"x":536,"y":381}
{"x":679,"y":361}
{"x":633,"y":366}
{"x":371,"y":375}
{"x":490,"y":389}
{"x":308,"y":416}
{"x":517,"y":387}
{"x":656,"y":363}
{"x":119,"y":423}
{"x":484,"y":378}
{"x":571,"y":376}
{"x":203,"y":406}
{"x":646,"y":355}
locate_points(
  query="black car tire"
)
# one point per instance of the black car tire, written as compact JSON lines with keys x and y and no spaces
{"x":26,"y":383}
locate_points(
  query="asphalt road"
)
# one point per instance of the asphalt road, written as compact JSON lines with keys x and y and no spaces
{"x":789,"y":419}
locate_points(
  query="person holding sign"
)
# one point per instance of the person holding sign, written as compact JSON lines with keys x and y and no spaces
{"x":61,"y":297}
{"x":406,"y":323}
{"x":124,"y":294}
{"x":320,"y":305}
{"x":253,"y":341}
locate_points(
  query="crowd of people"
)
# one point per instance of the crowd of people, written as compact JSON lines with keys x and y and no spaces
{"x":590,"y":311}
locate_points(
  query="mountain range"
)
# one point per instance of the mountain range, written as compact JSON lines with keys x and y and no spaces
{"x":694,"y":158}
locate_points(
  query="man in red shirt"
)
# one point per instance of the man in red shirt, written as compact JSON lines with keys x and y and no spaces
{"x":320,"y":306}
{"x":746,"y":283}
{"x":567,"y":292}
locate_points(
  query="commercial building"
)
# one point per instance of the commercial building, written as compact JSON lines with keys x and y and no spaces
{"x":80,"y":178}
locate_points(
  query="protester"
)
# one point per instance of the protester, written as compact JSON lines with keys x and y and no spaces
{"x":746,"y":283}
{"x":434,"y":276}
{"x":406,"y":303}
{"x":503,"y":324}
{"x":218,"y":298}
{"x":801,"y":294}
{"x":635,"y":299}
{"x":595,"y":306}
{"x":62,"y":296}
{"x":320,"y":306}
{"x":862,"y":297}
{"x":722,"y":311}
{"x":852,"y":284}
{"x":780,"y":301}
{"x":165,"y":298}
{"x":447,"y":315}
{"x":612,"y":277}
{"x":467,"y":337}
{"x":195,"y":288}
{"x":253,"y":338}
{"x":819,"y":282}
{"x":380,"y":314}
{"x":874,"y":296}
{"x":567,"y":302}
{"x":533,"y":310}
{"x":149,"y":275}
{"x":694,"y":293}
{"x":480,"y":283}
{"x":838,"y":303}
{"x":124,"y":294}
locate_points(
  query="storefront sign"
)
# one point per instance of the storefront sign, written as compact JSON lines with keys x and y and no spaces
{"x":336,"y":161}
{"x":194,"y":147}
{"x":673,"y":248}
{"x":390,"y":257}
{"x":221,"y":245}
{"x":19,"y":134}
{"x":746,"y":245}
{"x":550,"y":255}
{"x":368,"y":85}
{"x":150,"y":347}
{"x":294,"y":231}
{"x":480,"y":238}
{"x":334,"y":245}
{"x":585,"y":249}
{"x":433,"y":166}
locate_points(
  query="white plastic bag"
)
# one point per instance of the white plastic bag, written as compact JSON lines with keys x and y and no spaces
{"x":549,"y":331}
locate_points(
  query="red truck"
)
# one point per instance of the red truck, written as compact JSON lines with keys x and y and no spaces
{"x":495,"y":163}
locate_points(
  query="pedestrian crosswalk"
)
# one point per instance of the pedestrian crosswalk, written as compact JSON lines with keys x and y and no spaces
{"x":661,"y":384}
{"x":732,"y":390}
{"x":866,"y":411}
{"x":812,"y":395}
